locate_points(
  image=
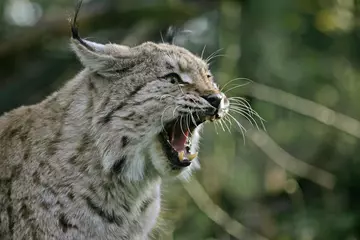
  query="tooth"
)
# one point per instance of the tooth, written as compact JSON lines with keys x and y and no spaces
{"x":192,"y":156}
{"x":181,"y":155}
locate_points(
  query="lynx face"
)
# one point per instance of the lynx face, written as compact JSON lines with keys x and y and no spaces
{"x":190,"y":98}
{"x":159,"y":95}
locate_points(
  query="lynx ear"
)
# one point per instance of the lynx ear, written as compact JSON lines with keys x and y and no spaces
{"x":92,"y":55}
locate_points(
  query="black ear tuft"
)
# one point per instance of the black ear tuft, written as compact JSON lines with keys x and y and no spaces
{"x":75,"y":29}
{"x":171,"y":34}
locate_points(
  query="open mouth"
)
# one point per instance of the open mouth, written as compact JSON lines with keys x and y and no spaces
{"x":176,"y":140}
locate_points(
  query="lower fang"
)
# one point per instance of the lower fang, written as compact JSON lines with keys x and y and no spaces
{"x":192,"y":156}
{"x":181,"y":155}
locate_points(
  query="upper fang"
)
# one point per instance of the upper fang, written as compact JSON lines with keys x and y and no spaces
{"x":192,"y":156}
{"x":181,"y":155}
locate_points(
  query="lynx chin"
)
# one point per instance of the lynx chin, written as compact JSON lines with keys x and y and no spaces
{"x":88,"y":161}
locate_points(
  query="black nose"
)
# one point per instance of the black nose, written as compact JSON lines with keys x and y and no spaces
{"x":214,"y":100}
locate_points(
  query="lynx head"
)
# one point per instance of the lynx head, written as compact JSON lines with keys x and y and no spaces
{"x":157,"y":98}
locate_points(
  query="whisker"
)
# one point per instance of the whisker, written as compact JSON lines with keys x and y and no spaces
{"x":237,"y":86}
{"x":215,"y":126}
{"x":242,"y":104}
{"x":187,"y":123}
{"x":243,"y":108}
{"x":227,"y":127}
{"x":226,"y":118}
{"x":252,"y":111}
{"x":181,"y":126}
{"x":193,"y":119}
{"x":235,"y":79}
{"x":215,"y":52}
{"x":175,"y":110}
{"x":240,"y":100}
{"x":242,"y":129}
{"x":181,"y":89}
{"x":202,"y":52}
{"x":221,"y":125}
{"x":197,"y":115}
{"x":249,"y":118}
{"x":241,"y":111}
{"x":162,"y":39}
{"x":215,"y":56}
{"x":165,"y":95}
{"x":162,"y":115}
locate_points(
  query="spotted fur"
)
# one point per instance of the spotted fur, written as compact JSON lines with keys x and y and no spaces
{"x":86,"y":162}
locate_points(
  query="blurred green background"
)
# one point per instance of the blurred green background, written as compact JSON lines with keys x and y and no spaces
{"x":299,"y":63}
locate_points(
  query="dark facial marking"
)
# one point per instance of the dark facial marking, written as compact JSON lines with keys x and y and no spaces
{"x":169,"y":66}
{"x":107,"y":118}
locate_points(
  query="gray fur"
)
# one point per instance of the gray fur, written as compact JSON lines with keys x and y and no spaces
{"x":86,"y":162}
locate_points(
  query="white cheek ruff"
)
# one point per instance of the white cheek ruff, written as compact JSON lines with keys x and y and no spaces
{"x":158,"y":158}
{"x":195,"y":164}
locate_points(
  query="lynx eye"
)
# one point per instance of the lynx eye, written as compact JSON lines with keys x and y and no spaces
{"x":174,"y":78}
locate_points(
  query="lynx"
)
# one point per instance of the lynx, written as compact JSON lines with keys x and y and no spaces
{"x":88,"y":161}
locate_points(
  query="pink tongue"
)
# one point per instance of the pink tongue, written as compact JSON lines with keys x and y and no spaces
{"x":178,"y":141}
